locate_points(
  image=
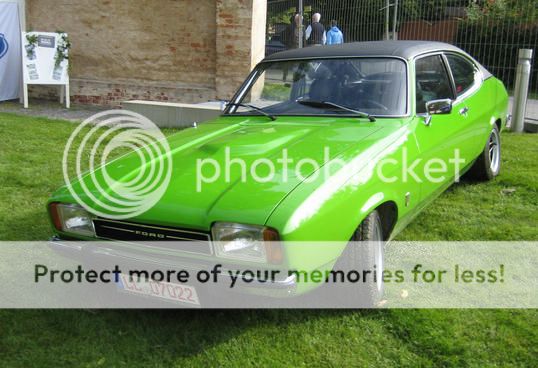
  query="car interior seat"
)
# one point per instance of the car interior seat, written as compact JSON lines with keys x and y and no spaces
{"x":322,"y":87}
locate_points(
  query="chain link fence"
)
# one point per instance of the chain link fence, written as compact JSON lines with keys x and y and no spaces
{"x":492,"y":31}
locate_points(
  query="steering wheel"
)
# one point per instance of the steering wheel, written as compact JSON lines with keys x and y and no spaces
{"x":377,"y":104}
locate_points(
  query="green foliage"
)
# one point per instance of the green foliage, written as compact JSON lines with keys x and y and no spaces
{"x":515,"y":11}
{"x":32,"y":39}
{"x":62,"y":49}
{"x":494,"y":31}
{"x":30,"y":46}
{"x":281,"y":17}
{"x":429,"y":10}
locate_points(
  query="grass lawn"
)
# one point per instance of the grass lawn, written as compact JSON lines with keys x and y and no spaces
{"x":30,"y":169}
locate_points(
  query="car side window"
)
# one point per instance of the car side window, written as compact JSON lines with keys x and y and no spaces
{"x":432,"y":81}
{"x":463,"y":72}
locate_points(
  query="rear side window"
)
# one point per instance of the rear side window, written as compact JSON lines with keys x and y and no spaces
{"x":464,"y":72}
{"x":432,"y":81}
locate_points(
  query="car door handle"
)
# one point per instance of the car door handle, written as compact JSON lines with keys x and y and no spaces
{"x":464,"y":110}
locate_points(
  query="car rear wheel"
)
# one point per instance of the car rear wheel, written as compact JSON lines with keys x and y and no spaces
{"x":364,"y":252}
{"x":488,"y":164}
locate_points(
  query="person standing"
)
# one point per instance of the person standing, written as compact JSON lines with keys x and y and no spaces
{"x":297,"y":29}
{"x":293,"y":38}
{"x":290,"y":36}
{"x":315,"y":33}
{"x":335,"y":35}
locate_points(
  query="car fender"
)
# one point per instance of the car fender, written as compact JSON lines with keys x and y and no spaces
{"x":331,"y":210}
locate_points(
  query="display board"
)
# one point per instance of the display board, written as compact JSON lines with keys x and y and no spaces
{"x":45,"y":61}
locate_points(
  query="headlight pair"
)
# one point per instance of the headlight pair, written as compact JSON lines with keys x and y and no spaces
{"x":230,"y":240}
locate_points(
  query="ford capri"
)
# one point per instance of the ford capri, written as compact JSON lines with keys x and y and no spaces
{"x":330,"y":143}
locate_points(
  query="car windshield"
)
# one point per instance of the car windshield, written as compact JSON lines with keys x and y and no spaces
{"x":369,"y":86}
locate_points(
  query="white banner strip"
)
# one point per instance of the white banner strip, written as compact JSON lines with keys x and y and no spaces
{"x":100,"y":274}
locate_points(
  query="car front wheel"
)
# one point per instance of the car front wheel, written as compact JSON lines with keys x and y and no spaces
{"x":364,"y":253}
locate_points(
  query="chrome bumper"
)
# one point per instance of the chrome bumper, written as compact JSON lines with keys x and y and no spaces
{"x":276,"y":288}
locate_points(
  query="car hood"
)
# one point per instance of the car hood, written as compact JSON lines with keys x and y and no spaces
{"x":192,"y":200}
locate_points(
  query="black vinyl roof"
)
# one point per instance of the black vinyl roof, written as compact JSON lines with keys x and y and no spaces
{"x":404,"y":49}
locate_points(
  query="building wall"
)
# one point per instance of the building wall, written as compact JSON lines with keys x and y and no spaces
{"x":240,"y":41}
{"x":166,"y":50}
{"x":442,"y":30}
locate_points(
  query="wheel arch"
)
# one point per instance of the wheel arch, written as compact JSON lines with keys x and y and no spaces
{"x":495,"y":120}
{"x":388,"y":212}
{"x":386,"y":203}
{"x":499,"y":124}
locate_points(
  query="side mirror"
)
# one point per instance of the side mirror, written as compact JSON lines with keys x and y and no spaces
{"x":436,"y":107}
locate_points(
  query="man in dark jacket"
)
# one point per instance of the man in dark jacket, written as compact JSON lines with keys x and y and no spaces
{"x":315,"y":33}
{"x":290,"y":36}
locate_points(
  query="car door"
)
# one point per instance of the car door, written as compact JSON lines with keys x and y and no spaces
{"x":469,"y":103}
{"x":441,"y":138}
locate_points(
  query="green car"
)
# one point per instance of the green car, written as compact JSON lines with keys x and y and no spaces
{"x":331,"y":143}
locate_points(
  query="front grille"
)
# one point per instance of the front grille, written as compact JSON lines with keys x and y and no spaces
{"x":178,"y":239}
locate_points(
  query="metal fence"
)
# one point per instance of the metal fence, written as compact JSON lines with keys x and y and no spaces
{"x":492,"y":31}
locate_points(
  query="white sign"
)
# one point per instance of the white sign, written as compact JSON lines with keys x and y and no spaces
{"x":45,"y":61}
{"x":10,"y":51}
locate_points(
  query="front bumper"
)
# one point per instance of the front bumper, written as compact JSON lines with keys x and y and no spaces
{"x":101,"y":255}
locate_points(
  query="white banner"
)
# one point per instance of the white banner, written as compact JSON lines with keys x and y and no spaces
{"x":10,"y":51}
{"x":194,"y":274}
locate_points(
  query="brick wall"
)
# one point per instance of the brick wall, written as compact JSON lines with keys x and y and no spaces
{"x":166,"y":50}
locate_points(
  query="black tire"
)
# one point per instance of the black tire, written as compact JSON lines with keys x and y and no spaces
{"x":368,"y":255}
{"x":488,"y":164}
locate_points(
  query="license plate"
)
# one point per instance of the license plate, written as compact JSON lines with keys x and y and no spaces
{"x":159,"y":289}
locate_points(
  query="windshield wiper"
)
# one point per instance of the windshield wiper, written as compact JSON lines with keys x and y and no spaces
{"x":331,"y":104}
{"x":261,"y":111}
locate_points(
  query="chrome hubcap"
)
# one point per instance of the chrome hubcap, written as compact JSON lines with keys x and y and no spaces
{"x":378,"y":255}
{"x":494,"y":151}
